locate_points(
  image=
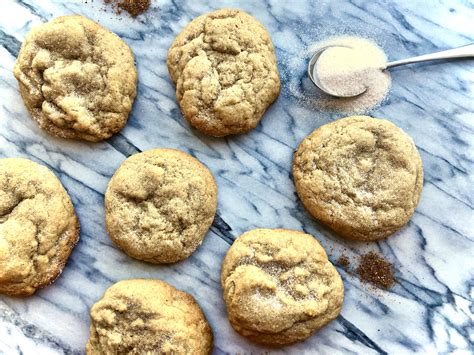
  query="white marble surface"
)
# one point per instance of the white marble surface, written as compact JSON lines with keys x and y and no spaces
{"x":430,"y":308}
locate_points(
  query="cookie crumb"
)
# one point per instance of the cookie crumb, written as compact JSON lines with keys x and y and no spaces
{"x":376,"y":270}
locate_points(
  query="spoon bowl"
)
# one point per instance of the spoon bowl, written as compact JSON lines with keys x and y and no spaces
{"x":312,"y":65}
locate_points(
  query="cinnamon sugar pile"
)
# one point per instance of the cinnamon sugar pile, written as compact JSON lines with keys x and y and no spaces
{"x":133,"y":7}
{"x":376,"y":270}
{"x":372,"y":268}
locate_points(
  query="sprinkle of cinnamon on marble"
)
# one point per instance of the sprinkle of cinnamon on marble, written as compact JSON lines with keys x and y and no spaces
{"x":376,"y":270}
{"x":133,"y":7}
{"x":344,"y":261}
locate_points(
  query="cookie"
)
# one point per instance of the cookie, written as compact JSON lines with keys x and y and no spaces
{"x":159,"y":205}
{"x":279,"y":287}
{"x":359,"y":175}
{"x":148,"y":317}
{"x":77,"y":79}
{"x":224,"y":67}
{"x":38,"y":227}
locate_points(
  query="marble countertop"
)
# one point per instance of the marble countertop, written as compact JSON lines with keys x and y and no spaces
{"x":429,"y":309}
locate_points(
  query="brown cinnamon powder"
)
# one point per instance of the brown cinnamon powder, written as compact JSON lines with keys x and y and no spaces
{"x":343,"y":261}
{"x":133,"y":7}
{"x":376,"y":270}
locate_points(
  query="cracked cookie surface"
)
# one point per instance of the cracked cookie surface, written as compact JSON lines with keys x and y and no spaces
{"x":279,"y":286}
{"x":359,"y":175}
{"x":148,"y":317}
{"x":77,"y":79}
{"x":38,"y":227}
{"x":160,"y":204}
{"x":224,"y":67}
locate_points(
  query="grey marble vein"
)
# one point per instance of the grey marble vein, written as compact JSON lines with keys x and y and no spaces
{"x":429,"y":310}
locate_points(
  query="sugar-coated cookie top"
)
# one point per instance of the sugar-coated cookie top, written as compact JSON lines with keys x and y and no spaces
{"x":160,"y":204}
{"x":148,"y":317}
{"x":279,"y":286}
{"x":224,"y":67}
{"x":362,"y":176}
{"x":38,"y":226}
{"x":78,"y":80}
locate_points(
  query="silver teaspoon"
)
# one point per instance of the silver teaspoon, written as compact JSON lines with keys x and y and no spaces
{"x":460,"y":52}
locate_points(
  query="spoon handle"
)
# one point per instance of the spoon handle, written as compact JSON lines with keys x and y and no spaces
{"x":460,"y":52}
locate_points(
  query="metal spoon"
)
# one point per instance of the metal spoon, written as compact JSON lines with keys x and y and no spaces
{"x":460,"y":52}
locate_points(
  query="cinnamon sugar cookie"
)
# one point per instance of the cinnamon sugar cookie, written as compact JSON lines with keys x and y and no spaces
{"x":159,"y":205}
{"x":38,"y":227}
{"x":279,"y":286}
{"x":224,"y":67}
{"x":148,"y":317}
{"x":77,"y":79}
{"x":361,"y":176}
